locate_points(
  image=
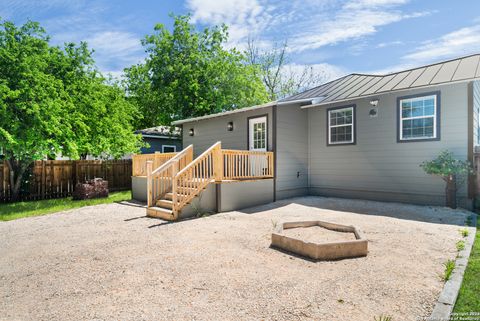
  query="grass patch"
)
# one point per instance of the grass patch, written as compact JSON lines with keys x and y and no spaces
{"x":12,"y":211}
{"x":469,"y":298}
{"x":383,"y":318}
{"x":449,"y":267}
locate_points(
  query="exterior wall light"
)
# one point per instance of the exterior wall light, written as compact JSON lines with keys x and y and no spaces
{"x":374,"y":102}
{"x":230,"y":126}
{"x":191,"y":132}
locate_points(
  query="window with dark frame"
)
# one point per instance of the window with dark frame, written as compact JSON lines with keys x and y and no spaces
{"x":418,"y":118}
{"x":341,"y":126}
{"x":169,"y":148}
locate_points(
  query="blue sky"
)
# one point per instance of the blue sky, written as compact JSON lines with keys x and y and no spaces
{"x":336,"y":37}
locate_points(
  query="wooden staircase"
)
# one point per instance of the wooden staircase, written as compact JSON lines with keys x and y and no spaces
{"x":164,"y":209}
{"x":177,"y":182}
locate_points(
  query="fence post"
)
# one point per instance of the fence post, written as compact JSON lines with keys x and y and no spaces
{"x":174,"y":188}
{"x":149,"y":183}
{"x":218,"y":163}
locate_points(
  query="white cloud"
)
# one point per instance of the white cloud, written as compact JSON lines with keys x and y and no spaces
{"x":115,"y":49}
{"x":326,"y":71}
{"x":454,"y":44}
{"x":362,"y":4}
{"x":390,"y":44}
{"x":243,"y":17}
{"x":306,"y":24}
{"x":457,"y":43}
{"x":354,"y":21}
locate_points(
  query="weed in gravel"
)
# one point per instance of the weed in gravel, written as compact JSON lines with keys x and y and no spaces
{"x":449,"y":267}
{"x":460,"y":245}
{"x":383,"y":318}
{"x":464,"y":232}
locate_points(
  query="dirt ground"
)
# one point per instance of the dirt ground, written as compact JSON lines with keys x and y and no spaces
{"x":110,"y":262}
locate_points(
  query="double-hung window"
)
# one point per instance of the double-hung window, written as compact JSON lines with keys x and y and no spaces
{"x":341,"y":125}
{"x":419,"y":117}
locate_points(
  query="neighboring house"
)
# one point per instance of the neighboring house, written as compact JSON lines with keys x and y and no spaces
{"x":161,"y":139}
{"x":360,"y":136}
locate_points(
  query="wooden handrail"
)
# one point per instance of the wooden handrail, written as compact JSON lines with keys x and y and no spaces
{"x":186,"y":177}
{"x":179,"y":155}
{"x":160,"y":181}
{"x":192,"y":179}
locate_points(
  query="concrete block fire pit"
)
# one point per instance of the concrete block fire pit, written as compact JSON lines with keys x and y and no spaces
{"x":338,"y":241}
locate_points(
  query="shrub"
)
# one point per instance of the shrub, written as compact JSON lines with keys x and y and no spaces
{"x":451,"y":170}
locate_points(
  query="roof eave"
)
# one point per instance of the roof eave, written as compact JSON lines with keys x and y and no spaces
{"x":235,"y":111}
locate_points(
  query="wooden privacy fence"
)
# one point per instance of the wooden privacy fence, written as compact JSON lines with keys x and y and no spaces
{"x":57,"y":178}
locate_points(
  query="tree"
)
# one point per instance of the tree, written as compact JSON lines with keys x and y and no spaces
{"x":189,"y":73}
{"x":451,"y":170}
{"x":54,"y":101}
{"x":279,"y":76}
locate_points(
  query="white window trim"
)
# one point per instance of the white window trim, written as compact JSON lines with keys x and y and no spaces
{"x":171,"y":146}
{"x":434,"y":116}
{"x":343,"y":125}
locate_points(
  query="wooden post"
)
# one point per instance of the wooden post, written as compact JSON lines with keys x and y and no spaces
{"x":149,"y":183}
{"x":174,"y":189}
{"x":218,"y":163}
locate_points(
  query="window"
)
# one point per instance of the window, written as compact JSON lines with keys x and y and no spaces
{"x":169,"y":148}
{"x":341,"y":122}
{"x":418,"y":117}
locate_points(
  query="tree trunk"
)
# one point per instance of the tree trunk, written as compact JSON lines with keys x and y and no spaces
{"x":451,"y":191}
{"x":17,"y":170}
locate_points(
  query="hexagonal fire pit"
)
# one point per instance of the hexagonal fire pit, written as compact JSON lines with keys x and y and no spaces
{"x":333,"y":248}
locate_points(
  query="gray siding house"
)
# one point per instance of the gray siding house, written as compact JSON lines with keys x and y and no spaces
{"x":360,"y":136}
{"x":161,"y":139}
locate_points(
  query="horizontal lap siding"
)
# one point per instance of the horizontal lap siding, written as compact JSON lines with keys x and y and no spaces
{"x":292,"y":151}
{"x":209,"y":131}
{"x":155,"y":144}
{"x":476,"y":112}
{"x":378,"y":163}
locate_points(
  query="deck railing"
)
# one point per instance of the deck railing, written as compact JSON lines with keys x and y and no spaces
{"x":139,"y":162}
{"x":191,"y":180}
{"x":160,"y":180}
{"x":243,"y":164}
{"x":186,"y":177}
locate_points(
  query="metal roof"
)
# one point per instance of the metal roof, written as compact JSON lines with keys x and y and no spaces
{"x":360,"y":85}
{"x":230,"y":112}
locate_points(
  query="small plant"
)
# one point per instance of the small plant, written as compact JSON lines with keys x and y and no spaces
{"x":383,"y":318}
{"x":464,"y":232}
{"x":460,"y":246}
{"x":340,"y":301}
{"x":451,"y":170}
{"x":274,"y":224}
{"x":449,"y":267}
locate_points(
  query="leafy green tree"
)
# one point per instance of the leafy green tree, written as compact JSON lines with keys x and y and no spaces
{"x":53,"y":101}
{"x":189,"y":73}
{"x":451,"y":170}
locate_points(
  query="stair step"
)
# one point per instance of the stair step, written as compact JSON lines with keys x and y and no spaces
{"x":160,"y":212}
{"x":168,"y":204}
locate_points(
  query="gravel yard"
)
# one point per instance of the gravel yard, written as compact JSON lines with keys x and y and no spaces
{"x":110,"y":262}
